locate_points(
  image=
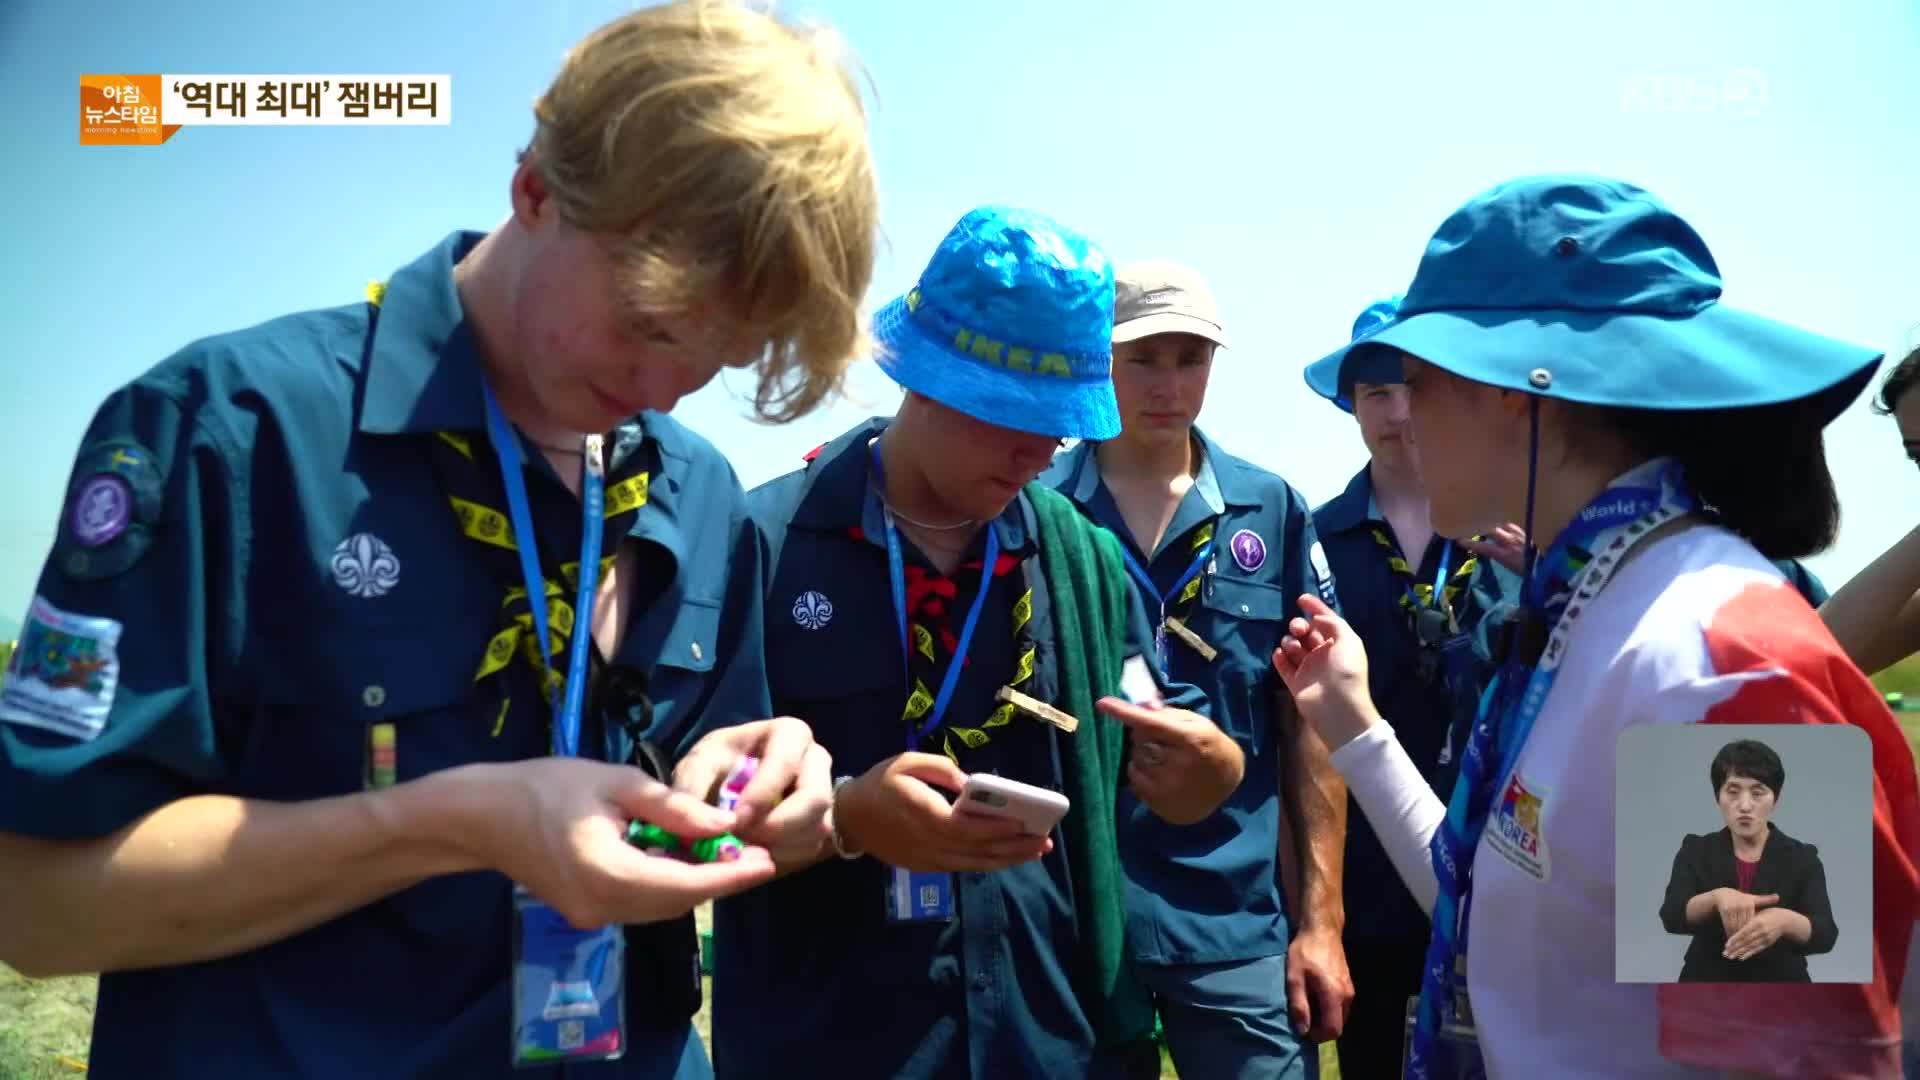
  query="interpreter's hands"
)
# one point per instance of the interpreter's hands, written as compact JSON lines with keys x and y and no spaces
{"x":1319,"y":987}
{"x":893,"y":813}
{"x":1758,"y":934}
{"x":1324,"y":666}
{"x":1182,"y":765}
{"x":784,"y":807}
{"x":1506,"y":545}
{"x":1737,"y":908}
{"x":559,"y":827}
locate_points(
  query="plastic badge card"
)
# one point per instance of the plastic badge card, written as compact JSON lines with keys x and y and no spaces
{"x":568,"y":1001}
{"x":1459,"y":1041}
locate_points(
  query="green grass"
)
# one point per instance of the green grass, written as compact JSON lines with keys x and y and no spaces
{"x":45,"y":1024}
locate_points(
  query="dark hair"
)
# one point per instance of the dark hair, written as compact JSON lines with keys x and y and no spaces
{"x":1760,"y":471}
{"x":1749,"y":758}
{"x":1901,"y":379}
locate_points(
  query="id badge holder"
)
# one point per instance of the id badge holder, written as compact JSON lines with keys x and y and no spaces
{"x":919,"y":896}
{"x":1456,"y":666}
{"x":569,"y":992}
{"x":1457,"y":1039}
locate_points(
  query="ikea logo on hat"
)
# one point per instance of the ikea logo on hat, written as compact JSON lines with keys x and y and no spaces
{"x":981,"y":346}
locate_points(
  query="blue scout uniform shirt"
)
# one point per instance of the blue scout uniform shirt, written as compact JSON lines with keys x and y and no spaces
{"x":292,"y":573}
{"x":1420,"y":713}
{"x":809,"y":974}
{"x":1209,"y":892}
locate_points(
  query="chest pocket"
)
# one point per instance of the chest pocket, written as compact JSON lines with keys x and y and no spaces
{"x":677,"y":642}
{"x":845,"y":685}
{"x":323,"y":688}
{"x":1243,"y":620}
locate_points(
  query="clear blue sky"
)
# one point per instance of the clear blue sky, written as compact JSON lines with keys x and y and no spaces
{"x":1298,"y":154}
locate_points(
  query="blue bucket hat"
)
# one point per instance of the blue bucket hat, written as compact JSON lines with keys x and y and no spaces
{"x":1324,"y":376}
{"x":1012,"y":324}
{"x":1591,"y":290}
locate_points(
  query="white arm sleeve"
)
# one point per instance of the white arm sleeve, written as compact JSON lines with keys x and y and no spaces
{"x":1402,"y":809}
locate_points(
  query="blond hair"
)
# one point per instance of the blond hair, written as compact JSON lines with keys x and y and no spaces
{"x":731,"y":151}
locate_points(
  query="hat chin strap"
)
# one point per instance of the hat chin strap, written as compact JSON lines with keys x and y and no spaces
{"x":1533,"y":482}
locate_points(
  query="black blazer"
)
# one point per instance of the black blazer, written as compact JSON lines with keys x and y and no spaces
{"x":1787,"y":867}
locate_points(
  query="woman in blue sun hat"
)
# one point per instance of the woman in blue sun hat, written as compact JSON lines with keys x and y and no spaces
{"x":1570,"y":366}
{"x":937,"y":614}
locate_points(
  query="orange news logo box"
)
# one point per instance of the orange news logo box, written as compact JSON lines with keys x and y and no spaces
{"x":122,"y":110}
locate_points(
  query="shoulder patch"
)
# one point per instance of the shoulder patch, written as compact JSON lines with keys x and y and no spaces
{"x":1323,"y":574}
{"x":111,"y":511}
{"x":63,"y":674}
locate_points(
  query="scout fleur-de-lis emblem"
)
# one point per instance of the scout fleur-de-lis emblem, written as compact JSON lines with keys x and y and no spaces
{"x":812,"y":610}
{"x":365,"y":566}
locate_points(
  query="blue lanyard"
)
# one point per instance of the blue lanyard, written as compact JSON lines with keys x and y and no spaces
{"x":1608,"y":528}
{"x":897,"y":574}
{"x":1439,"y":580}
{"x":1150,"y":590}
{"x":506,"y":446}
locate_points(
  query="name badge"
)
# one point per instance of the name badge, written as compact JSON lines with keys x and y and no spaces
{"x":1457,"y":1040}
{"x":919,"y":896}
{"x":569,"y":995}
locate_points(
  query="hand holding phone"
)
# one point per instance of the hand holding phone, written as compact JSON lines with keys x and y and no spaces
{"x":1037,"y":809}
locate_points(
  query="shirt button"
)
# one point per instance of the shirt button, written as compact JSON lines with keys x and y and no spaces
{"x":696,"y":650}
{"x":374,"y":696}
{"x":1244,"y":609}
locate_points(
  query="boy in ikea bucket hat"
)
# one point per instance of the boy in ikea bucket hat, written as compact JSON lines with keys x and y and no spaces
{"x":935,"y":614}
{"x":1570,"y":365}
{"x":1235,"y":920}
{"x":1421,"y":602}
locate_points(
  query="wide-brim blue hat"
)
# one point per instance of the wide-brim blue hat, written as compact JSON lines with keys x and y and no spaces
{"x":1012,"y":324}
{"x":1591,"y":290}
{"x":1324,"y":376}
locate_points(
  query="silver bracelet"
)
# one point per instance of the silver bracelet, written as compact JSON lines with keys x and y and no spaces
{"x":839,"y":842}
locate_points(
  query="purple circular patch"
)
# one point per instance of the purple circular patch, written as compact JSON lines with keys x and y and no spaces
{"x":1248,"y":550}
{"x":101,"y":510}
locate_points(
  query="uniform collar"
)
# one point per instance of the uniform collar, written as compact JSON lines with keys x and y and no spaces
{"x":1351,"y":508}
{"x":1220,"y":483}
{"x":671,"y":451}
{"x":837,"y":493}
{"x":423,"y":366}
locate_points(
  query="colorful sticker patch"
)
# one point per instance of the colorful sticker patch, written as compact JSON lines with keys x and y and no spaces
{"x":1515,"y":830}
{"x":63,"y":673}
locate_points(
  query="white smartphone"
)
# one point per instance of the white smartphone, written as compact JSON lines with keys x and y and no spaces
{"x":1137,"y":685}
{"x":1035,"y":808}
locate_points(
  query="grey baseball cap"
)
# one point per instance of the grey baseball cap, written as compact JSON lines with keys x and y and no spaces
{"x":1163,"y":298}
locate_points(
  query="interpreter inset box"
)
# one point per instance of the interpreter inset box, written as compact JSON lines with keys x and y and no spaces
{"x":1743,"y":853}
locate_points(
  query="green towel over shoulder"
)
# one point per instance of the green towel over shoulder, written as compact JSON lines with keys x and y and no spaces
{"x":1087,"y":584}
